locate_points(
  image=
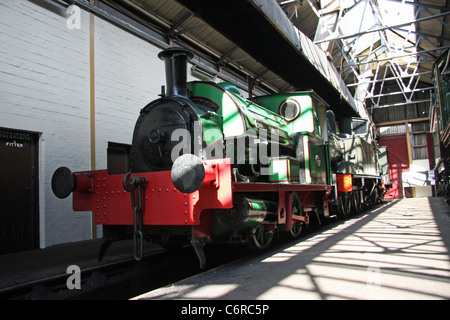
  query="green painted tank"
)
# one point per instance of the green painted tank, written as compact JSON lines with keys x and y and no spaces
{"x":305,"y":114}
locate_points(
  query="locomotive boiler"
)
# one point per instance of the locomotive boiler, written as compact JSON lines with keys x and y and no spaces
{"x":207,"y":166}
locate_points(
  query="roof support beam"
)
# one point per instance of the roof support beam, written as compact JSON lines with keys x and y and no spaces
{"x":423,"y":5}
{"x":400,"y":104}
{"x":390,"y":78}
{"x":397,"y":56}
{"x":179,"y":23}
{"x":222,"y":59}
{"x":399,"y":92}
{"x":384,"y":28}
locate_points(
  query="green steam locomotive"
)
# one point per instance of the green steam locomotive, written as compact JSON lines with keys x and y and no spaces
{"x":208,"y":165}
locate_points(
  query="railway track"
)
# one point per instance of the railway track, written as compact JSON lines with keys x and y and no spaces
{"x":92,"y":281}
{"x":120,"y":279}
{"x":126,"y":278}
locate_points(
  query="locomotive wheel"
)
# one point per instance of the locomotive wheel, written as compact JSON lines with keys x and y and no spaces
{"x":296,"y":229}
{"x":297,"y":226}
{"x":345,"y":205}
{"x":260,"y":239}
{"x":357,"y":204}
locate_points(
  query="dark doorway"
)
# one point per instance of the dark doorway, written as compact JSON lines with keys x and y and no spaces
{"x":19,"y":191}
{"x":118,"y":158}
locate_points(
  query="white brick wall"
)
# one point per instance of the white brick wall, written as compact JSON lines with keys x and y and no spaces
{"x":45,"y":88}
{"x":128,"y":76}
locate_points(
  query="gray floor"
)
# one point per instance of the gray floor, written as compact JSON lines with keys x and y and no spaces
{"x":398,"y":251}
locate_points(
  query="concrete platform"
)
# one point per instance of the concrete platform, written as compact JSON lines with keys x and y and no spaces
{"x":397,"y":251}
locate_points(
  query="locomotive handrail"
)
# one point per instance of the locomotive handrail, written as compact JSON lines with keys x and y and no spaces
{"x":267,"y":186}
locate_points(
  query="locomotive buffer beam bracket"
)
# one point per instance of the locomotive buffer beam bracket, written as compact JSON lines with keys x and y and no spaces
{"x":198,"y":245}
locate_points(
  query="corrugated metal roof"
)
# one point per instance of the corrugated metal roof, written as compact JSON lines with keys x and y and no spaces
{"x":302,"y":14}
{"x":179,"y":24}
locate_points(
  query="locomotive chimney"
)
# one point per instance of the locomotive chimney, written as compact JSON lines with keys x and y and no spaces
{"x":176,"y":76}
